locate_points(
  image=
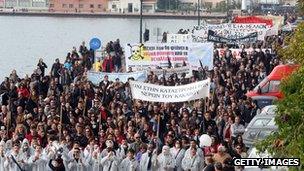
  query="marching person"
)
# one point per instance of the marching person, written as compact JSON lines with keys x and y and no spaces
{"x":199,"y":151}
{"x":129,"y":163}
{"x":2,"y":155}
{"x":95,"y":162}
{"x":165,"y":160}
{"x":122,"y":150}
{"x":110,"y":162}
{"x":37,"y":162}
{"x":192,"y":162}
{"x":178,"y":153}
{"x":77,"y":163}
{"x":148,"y":159}
{"x":14,"y":161}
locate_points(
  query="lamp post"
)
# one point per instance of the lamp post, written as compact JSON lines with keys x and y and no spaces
{"x":140,"y":22}
{"x":198,"y":13}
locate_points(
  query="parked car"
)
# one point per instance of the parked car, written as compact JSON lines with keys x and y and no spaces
{"x":260,"y":126}
{"x":263,"y":101}
{"x":270,"y":85}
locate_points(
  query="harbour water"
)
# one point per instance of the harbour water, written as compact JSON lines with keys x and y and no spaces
{"x":25,"y":39}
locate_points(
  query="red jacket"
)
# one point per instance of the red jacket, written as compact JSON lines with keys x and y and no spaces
{"x":24,"y":92}
{"x":107,"y":61}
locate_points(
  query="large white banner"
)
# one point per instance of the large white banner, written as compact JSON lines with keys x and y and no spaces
{"x":179,"y":38}
{"x":157,"y":93}
{"x":229,"y":30}
{"x":97,"y":77}
{"x":161,"y":54}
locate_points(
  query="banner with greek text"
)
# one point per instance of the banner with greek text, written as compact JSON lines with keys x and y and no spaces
{"x":169,"y":54}
{"x":229,"y":30}
{"x":157,"y":93}
{"x":179,"y":38}
{"x":251,"y":38}
{"x":252,"y":19}
{"x":97,"y":77}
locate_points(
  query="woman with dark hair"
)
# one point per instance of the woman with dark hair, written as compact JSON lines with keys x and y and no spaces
{"x":239,"y":142}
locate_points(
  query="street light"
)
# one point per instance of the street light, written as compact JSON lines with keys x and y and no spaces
{"x":140,"y":22}
{"x":198,"y":13}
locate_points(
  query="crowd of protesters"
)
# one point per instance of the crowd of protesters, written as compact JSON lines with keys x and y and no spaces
{"x":61,"y":121}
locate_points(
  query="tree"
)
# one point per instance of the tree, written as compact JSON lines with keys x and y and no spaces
{"x":300,"y":5}
{"x":288,"y":141}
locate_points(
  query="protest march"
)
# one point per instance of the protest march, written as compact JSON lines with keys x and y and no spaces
{"x":179,"y":105}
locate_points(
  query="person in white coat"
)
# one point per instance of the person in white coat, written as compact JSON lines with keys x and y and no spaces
{"x":110,"y":162}
{"x":2,"y":155}
{"x":77,"y":163}
{"x":178,"y":154}
{"x":192,"y":162}
{"x":12,"y":156}
{"x":95,"y":160}
{"x":199,"y":152}
{"x":37,"y":162}
{"x":122,"y":150}
{"x":148,"y":159}
{"x":165,"y":161}
{"x":26,"y":152}
{"x":110,"y":146}
{"x":129,"y":163}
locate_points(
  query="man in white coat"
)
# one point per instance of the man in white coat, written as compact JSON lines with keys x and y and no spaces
{"x":14,"y":155}
{"x":37,"y":162}
{"x":129,"y":163}
{"x":192,"y":162}
{"x":110,"y":162}
{"x":199,"y":151}
{"x":122,"y":150}
{"x":95,"y":160}
{"x":77,"y":163}
{"x":165,"y":161}
{"x":178,"y":154}
{"x":148,"y":159}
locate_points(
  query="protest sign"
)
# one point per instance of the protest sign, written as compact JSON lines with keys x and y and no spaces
{"x":166,"y":54}
{"x":179,"y":38}
{"x":229,"y":30}
{"x":253,"y":19}
{"x":97,"y":77}
{"x":212,"y":37}
{"x":157,"y":93}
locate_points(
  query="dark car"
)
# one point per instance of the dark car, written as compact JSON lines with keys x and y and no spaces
{"x":260,"y":126}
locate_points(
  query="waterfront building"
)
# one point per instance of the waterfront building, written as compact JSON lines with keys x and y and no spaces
{"x":93,"y":6}
{"x":131,"y":6}
{"x":25,"y":5}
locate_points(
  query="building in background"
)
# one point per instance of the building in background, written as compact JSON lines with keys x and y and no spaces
{"x":92,"y":6}
{"x":131,"y":6}
{"x":25,"y":5}
{"x":2,"y":4}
